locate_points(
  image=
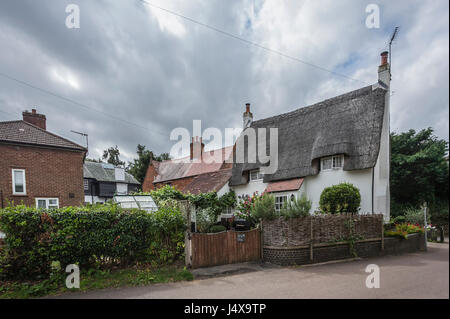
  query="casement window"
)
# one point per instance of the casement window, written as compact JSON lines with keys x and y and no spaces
{"x":255,"y":175}
{"x":280,"y":201}
{"x":332,"y":162}
{"x":86,"y":184}
{"x":19,"y":182}
{"x":47,"y":203}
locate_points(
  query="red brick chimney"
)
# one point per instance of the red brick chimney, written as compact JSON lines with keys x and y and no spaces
{"x":197,"y":148}
{"x":35,"y":118}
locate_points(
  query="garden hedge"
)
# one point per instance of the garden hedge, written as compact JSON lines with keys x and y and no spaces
{"x":89,"y":236}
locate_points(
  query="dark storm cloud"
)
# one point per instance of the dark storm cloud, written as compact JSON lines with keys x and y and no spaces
{"x":144,"y":66}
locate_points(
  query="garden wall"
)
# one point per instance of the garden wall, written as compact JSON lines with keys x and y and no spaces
{"x":288,"y":241}
{"x":283,"y":232}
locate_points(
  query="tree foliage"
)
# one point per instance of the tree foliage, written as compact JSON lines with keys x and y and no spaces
{"x":138,"y":168}
{"x":112,"y":156}
{"x":419,"y":171}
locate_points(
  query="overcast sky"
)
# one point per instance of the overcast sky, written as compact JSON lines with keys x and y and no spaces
{"x":147,"y":72}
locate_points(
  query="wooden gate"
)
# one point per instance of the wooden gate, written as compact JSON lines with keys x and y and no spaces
{"x":224,"y":248}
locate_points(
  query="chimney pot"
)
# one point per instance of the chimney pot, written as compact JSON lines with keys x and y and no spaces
{"x":247,"y":107}
{"x":197,"y":148}
{"x":384,"y":57}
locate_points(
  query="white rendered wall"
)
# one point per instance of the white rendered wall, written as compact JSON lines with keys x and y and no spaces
{"x":382,"y":168}
{"x":250,"y":188}
{"x":362,"y":179}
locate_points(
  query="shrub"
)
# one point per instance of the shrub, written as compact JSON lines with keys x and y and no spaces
{"x":205,"y":218}
{"x":244,"y":208}
{"x":299,"y":207}
{"x":89,"y":236}
{"x":341,"y":198}
{"x":402,"y":230}
{"x":217,"y":229}
{"x":415,"y":216}
{"x":264,"y":208}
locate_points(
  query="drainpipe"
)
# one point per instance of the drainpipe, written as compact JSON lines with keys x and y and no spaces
{"x":373,"y":187}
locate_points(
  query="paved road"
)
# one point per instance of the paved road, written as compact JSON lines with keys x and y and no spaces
{"x":417,"y":275}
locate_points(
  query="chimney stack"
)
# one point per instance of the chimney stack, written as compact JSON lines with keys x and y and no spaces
{"x":384,"y":70}
{"x":197,"y":148}
{"x":35,"y":118}
{"x":247,"y":117}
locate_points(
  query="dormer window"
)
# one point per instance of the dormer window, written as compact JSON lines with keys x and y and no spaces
{"x":255,"y":175}
{"x":332,"y":162}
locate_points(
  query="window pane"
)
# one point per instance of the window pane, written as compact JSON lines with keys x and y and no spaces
{"x":42,"y":203}
{"x":18,"y":182}
{"x":52,"y":201}
{"x":86,"y":184}
{"x":326,"y":163}
{"x":337,"y":161}
{"x":18,"y":188}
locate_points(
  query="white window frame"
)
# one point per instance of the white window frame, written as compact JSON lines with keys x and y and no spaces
{"x":47,"y":201}
{"x":333,"y":159}
{"x":259,"y":175}
{"x":14,"y":182}
{"x":278,"y":203}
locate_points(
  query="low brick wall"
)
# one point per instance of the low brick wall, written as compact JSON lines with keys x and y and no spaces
{"x":301,"y":255}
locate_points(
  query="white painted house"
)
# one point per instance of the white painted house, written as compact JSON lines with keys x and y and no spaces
{"x":342,"y":139}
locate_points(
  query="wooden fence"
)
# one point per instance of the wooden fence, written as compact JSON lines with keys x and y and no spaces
{"x":223,"y":248}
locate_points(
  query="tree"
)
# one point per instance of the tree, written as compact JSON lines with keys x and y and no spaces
{"x":419,"y":171}
{"x":111,"y":155}
{"x":138,"y":168}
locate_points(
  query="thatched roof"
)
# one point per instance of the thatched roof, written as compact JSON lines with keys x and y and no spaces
{"x":348,"y":124}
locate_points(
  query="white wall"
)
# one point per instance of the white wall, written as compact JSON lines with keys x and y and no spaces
{"x":250,"y":188}
{"x":94,"y":199}
{"x":362,"y":179}
{"x":314,"y":185}
{"x":121,"y":188}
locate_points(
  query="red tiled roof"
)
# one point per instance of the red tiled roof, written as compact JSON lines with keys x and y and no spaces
{"x":208,"y":182}
{"x":26,"y":133}
{"x":283,"y":186}
{"x":212,"y":161}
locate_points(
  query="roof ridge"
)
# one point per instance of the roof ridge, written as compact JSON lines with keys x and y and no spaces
{"x":53,"y":134}
{"x":311,"y":107}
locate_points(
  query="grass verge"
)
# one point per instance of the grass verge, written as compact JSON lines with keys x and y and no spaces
{"x":94,"y":279}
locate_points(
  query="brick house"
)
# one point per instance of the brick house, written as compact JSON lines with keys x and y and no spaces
{"x":200,"y":172}
{"x":39,"y":168}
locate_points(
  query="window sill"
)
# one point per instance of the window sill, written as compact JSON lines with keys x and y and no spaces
{"x":19,"y":195}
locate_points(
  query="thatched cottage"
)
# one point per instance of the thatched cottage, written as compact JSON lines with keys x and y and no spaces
{"x":342,"y":139}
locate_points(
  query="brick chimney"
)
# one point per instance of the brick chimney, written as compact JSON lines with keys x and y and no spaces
{"x":384,"y":70}
{"x":35,"y":118}
{"x":197,"y":148}
{"x":247,"y":117}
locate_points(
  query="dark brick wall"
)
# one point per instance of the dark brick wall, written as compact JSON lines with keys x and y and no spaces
{"x":48,"y":172}
{"x":364,"y":249}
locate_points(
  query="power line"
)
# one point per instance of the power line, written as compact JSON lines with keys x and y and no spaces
{"x":251,"y":42}
{"x":77,"y":103}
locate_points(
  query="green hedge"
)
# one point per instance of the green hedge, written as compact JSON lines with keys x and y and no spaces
{"x":89,"y":236}
{"x":341,"y":198}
